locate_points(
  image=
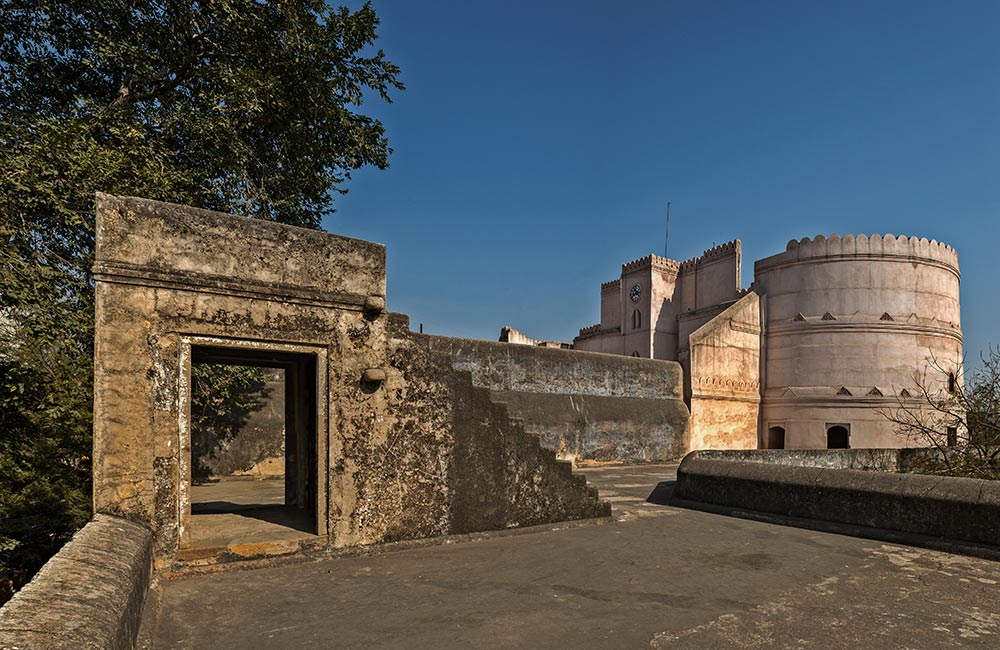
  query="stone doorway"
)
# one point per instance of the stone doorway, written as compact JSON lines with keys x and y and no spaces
{"x":252,"y":453}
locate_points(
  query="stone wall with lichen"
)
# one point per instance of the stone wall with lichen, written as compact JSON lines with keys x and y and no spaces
{"x":419,"y":453}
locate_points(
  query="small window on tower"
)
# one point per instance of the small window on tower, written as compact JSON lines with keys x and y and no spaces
{"x":951,"y":382}
{"x":636,"y":319}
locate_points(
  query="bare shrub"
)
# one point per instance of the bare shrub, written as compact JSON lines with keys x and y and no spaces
{"x":957,"y":416}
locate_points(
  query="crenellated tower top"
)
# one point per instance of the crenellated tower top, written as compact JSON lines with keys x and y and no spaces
{"x":887,"y":245}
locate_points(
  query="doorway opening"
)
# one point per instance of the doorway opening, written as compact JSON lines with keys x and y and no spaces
{"x":253,"y":438}
{"x":775,"y":438}
{"x":838,"y":436}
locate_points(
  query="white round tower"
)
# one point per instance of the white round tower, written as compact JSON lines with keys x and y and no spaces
{"x":851,"y":325}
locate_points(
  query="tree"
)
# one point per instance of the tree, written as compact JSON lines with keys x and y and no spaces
{"x":222,"y":399}
{"x":245,"y":106}
{"x":959,"y":418}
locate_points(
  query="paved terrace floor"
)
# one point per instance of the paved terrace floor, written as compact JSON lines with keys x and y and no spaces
{"x":656,"y":577}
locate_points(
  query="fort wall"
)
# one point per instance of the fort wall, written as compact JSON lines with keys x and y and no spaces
{"x":711,"y":278}
{"x":581,"y":405}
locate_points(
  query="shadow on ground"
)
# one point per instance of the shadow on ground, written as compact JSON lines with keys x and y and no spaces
{"x":661,"y":493}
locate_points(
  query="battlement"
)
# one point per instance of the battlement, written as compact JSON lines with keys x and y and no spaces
{"x":592,"y":329}
{"x":722,"y":250}
{"x":613,"y":284}
{"x":654,"y":261}
{"x":887,"y":245}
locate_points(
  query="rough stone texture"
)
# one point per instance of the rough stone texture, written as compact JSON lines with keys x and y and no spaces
{"x":937,"y":506}
{"x":89,"y":596}
{"x":402,"y":458}
{"x":582,"y":406}
{"x":724,"y":365}
{"x":886,"y":460}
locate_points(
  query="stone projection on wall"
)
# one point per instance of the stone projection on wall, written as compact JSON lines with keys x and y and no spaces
{"x":725,"y":364}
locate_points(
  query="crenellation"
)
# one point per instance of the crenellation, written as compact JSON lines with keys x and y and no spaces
{"x":831,"y":304}
{"x":887,"y":245}
{"x":650,"y":261}
{"x":722,"y":250}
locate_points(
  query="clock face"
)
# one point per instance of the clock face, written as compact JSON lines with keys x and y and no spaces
{"x":635,"y":293}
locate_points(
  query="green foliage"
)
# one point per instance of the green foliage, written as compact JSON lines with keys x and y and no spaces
{"x":44,"y":468}
{"x":222,"y":397}
{"x":245,"y":106}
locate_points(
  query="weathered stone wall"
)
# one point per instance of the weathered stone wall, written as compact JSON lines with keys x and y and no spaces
{"x":583,"y":406}
{"x":170,"y":277}
{"x":421,"y":452}
{"x":879,"y":459}
{"x":938,"y":507}
{"x":88,"y":595}
{"x":725,"y":366}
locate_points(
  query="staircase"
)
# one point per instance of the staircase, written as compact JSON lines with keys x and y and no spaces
{"x":501,"y":477}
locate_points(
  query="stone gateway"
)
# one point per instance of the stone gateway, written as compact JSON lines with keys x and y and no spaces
{"x":385,"y":439}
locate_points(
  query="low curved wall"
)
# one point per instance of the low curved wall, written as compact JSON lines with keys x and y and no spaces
{"x":88,"y":596}
{"x":882,"y":460}
{"x":959,"y":509}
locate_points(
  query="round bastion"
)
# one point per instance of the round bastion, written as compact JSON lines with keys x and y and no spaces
{"x":852,"y":325}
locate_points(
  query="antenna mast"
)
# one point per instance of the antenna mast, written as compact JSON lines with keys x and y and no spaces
{"x":666,"y":236}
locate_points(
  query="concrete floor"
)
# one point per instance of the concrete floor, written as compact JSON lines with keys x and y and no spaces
{"x":656,"y":577}
{"x":233,"y":511}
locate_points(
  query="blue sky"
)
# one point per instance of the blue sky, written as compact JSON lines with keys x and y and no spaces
{"x":537,"y":143}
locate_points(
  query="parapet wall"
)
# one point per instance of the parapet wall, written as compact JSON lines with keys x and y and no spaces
{"x":210,"y":250}
{"x":582,"y":405}
{"x":722,"y":250}
{"x":88,"y":595}
{"x":882,"y":459}
{"x":931,"y":507}
{"x":887,"y":245}
{"x":654,"y":261}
